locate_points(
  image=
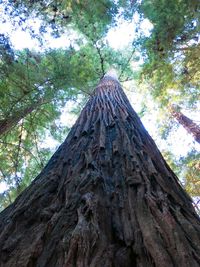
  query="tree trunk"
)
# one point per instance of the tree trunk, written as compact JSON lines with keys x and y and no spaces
{"x":11,"y":121}
{"x":106,"y":198}
{"x":191,"y":127}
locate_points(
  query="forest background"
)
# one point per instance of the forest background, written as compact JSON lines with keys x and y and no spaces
{"x":52,"y":55}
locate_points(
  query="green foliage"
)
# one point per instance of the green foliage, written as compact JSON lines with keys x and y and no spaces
{"x":59,"y":15}
{"x":187,"y":169}
{"x":192,"y":173}
{"x":170,"y":52}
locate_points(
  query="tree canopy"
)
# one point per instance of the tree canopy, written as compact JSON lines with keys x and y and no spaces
{"x":36,"y":84}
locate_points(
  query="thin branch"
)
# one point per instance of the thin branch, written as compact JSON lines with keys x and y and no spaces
{"x":126,"y":80}
{"x":101,"y":59}
{"x":35,"y":141}
{"x":99,"y":53}
{"x":23,"y":147}
{"x":16,"y":163}
{"x":127,"y":62}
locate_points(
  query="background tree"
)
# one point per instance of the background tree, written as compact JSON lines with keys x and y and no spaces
{"x":169,"y":53}
{"x":187,"y":123}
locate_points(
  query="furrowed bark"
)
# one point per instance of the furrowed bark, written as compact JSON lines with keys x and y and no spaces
{"x":106,"y":198}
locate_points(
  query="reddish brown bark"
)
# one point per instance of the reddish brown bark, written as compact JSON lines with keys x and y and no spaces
{"x":190,"y":126}
{"x":7,"y":124}
{"x":106,"y":198}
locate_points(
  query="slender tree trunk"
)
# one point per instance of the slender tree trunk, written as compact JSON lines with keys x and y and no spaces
{"x":190,"y":126}
{"x":106,"y":198}
{"x":11,"y":121}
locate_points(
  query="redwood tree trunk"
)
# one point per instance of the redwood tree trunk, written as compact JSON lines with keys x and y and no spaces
{"x":106,"y":198}
{"x":190,"y":126}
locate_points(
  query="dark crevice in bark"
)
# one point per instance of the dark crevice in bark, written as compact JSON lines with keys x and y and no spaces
{"x":106,"y":198}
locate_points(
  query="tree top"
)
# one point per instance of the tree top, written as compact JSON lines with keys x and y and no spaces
{"x":112,"y":73}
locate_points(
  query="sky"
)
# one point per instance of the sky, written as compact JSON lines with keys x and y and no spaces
{"x":118,"y":38}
